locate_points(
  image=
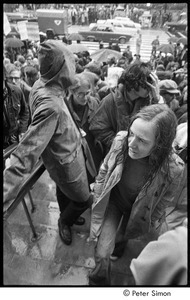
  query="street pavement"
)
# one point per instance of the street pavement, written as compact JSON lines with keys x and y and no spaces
{"x":148,"y":35}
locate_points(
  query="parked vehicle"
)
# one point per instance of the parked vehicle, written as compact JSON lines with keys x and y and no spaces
{"x":127,"y":21}
{"x":54,"y":19}
{"x":105,"y":33}
{"x":128,"y":28}
{"x":174,"y":27}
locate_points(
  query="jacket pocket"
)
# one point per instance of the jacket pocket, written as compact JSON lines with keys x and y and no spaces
{"x":72,"y":170}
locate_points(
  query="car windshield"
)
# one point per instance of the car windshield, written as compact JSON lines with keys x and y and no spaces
{"x":108,"y":29}
{"x":117,"y":25}
{"x":129,"y":25}
{"x":103,"y":28}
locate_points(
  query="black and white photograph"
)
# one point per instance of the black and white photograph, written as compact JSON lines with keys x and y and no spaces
{"x":95,"y":126}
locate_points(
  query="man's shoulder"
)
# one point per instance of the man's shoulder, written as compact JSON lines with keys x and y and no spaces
{"x":43,"y":97}
{"x":108,"y":99}
{"x":41,"y":89}
{"x":14,"y":89}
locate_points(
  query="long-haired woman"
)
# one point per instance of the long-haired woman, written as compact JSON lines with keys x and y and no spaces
{"x":140,"y":178}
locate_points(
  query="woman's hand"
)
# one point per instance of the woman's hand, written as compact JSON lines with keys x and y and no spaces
{"x":92,"y":187}
{"x":154,"y":88}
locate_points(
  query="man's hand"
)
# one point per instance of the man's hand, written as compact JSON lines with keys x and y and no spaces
{"x":154,"y":88}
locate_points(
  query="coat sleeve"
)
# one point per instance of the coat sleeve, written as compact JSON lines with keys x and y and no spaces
{"x":24,"y":158}
{"x":177,"y":211}
{"x":172,"y":207}
{"x":23,"y":115}
{"x":102,"y":124}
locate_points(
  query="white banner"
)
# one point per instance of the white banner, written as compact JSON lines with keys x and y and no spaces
{"x":33,"y":31}
{"x":6,"y":25}
{"x":22,"y":28}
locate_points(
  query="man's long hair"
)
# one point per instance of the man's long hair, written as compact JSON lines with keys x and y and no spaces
{"x":166,"y":124}
{"x":135,"y":76}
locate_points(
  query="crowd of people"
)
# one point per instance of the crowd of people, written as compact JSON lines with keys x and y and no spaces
{"x":112,"y":136}
{"x":84,"y":14}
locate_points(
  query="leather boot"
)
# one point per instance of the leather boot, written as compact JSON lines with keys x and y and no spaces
{"x":65,"y":232}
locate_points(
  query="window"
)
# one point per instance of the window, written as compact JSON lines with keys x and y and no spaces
{"x":129,"y":25}
{"x":118,"y":25}
{"x":100,"y":28}
{"x":108,"y":29}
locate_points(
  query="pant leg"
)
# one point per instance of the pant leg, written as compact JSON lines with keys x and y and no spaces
{"x":105,"y":246}
{"x":62,"y":199}
{"x":121,"y":240}
{"x":72,"y":179}
{"x":74,"y":210}
{"x":73,"y":194}
{"x":122,"y":228}
{"x":70,"y":210}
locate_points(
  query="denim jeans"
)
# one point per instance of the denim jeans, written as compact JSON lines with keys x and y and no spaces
{"x":106,"y":243}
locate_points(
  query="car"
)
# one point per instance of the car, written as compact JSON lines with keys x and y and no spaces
{"x":105,"y":33}
{"x":174,"y":27}
{"x":128,"y":28}
{"x":120,"y":11}
{"x":127,"y":21}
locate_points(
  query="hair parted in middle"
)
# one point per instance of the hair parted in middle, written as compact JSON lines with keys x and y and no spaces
{"x":166,"y":124}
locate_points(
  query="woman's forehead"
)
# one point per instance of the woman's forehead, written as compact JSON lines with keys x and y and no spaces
{"x":143,"y":129}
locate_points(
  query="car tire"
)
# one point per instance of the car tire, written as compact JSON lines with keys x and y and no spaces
{"x":122,"y":40}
